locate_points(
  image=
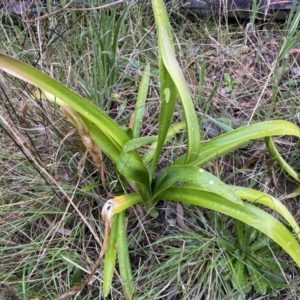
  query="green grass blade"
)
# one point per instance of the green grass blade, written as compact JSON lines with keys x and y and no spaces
{"x":110,"y":256}
{"x":140,"y":103}
{"x":114,"y":47}
{"x":123,"y":258}
{"x":267,"y":200}
{"x":117,"y":30}
{"x":291,"y":30}
{"x":276,"y":155}
{"x":244,"y":212}
{"x":237,"y":138}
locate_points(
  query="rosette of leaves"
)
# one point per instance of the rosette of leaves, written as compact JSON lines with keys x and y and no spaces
{"x":184,"y":179}
{"x":249,"y":260}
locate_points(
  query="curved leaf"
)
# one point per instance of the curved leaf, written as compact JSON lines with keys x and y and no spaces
{"x":123,"y":258}
{"x":268,"y":200}
{"x":110,"y":257}
{"x":276,"y":155}
{"x":194,"y":176}
{"x":237,"y":138}
{"x":168,"y":91}
{"x":244,"y":212}
{"x":86,"y":109}
{"x":168,"y":61}
{"x":134,"y":171}
{"x":125,"y":201}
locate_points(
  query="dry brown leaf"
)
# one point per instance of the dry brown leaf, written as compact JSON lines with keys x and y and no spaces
{"x":86,"y":138}
{"x":180,"y":217}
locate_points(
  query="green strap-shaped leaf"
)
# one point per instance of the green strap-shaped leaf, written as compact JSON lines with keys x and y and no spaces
{"x":192,"y":175}
{"x":125,"y":201}
{"x":110,"y":257}
{"x":123,"y":258}
{"x":169,"y":67}
{"x":135,"y":171}
{"x":82,"y":106}
{"x":265,"y":199}
{"x":168,"y":99}
{"x":244,"y":212}
{"x":276,"y":155}
{"x":168,"y":91}
{"x":237,"y":138}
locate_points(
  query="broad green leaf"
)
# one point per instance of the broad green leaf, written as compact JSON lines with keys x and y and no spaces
{"x":194,"y":176}
{"x":168,"y":64}
{"x":171,"y":64}
{"x":82,"y":106}
{"x":168,"y":100}
{"x":110,"y":256}
{"x":134,"y":171}
{"x":125,"y":201}
{"x":161,"y":17}
{"x":237,"y":138}
{"x":244,"y":212}
{"x":123,"y":258}
{"x":265,"y":199}
{"x":168,"y":91}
